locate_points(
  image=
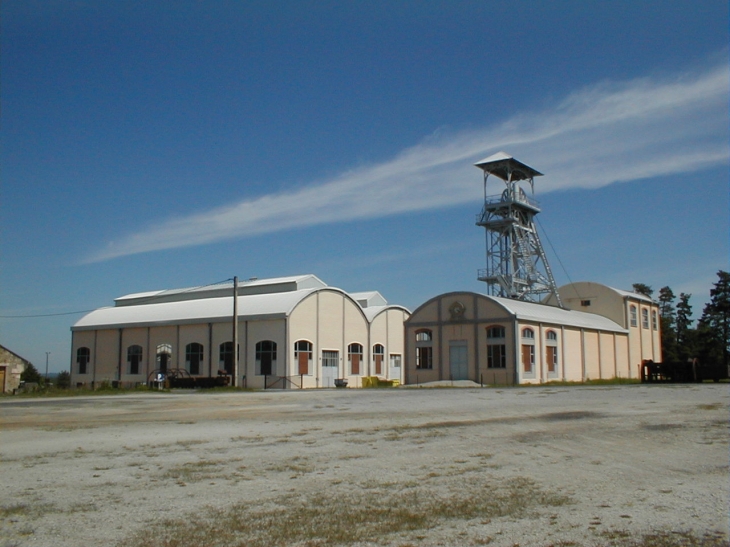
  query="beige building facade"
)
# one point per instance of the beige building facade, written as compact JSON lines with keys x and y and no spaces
{"x":493,"y":340}
{"x":293,"y":332}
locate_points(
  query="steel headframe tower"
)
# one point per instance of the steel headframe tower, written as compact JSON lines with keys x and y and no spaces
{"x":514,"y":251}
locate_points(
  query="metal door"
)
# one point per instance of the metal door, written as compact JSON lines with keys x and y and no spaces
{"x":458,"y":360}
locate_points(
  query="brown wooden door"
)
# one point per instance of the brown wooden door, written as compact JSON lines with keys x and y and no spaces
{"x":303,"y":362}
{"x":527,"y":352}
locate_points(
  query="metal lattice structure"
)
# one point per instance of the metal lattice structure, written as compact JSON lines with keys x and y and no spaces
{"x":516,"y":263}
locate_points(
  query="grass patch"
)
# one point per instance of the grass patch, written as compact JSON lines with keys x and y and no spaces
{"x":195,"y":471}
{"x":342,"y":518}
{"x":621,"y":538}
{"x":16,"y":509}
{"x":711,"y":406}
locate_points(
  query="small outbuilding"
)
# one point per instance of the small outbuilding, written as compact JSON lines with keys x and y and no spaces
{"x":12,"y":366}
{"x":294,"y":332}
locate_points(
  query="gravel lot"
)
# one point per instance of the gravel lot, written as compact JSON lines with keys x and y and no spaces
{"x":588,"y":465}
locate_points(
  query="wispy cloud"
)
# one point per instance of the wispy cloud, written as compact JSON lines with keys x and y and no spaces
{"x":610,"y":132}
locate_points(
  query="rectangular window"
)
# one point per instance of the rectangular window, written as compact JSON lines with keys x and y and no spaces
{"x":395,"y":360}
{"x":330,"y":358}
{"x":585,"y":303}
{"x":424,"y":357}
{"x":496,"y":356}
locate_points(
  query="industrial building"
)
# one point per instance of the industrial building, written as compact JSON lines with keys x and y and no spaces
{"x":293,"y":332}
{"x":525,"y":329}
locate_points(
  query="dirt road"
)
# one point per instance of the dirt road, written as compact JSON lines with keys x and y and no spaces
{"x":586,"y":465}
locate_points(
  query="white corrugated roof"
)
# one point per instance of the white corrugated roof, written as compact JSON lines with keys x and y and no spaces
{"x":371,"y":298}
{"x":630,"y":294}
{"x":271,"y":305}
{"x":543,"y":313}
{"x":306,"y":281}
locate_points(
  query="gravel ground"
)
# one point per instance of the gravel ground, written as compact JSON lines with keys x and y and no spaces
{"x":540,"y":466}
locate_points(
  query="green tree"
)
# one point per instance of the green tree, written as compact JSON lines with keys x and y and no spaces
{"x":641,"y":288}
{"x":667,"y":321}
{"x":686,"y":336}
{"x":666,"y":303}
{"x":31,"y":374}
{"x":714,"y":325}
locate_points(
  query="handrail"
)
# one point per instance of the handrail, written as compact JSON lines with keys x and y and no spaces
{"x":521,"y":197}
{"x":283,"y":380}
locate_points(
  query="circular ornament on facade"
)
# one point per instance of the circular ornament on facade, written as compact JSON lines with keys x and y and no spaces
{"x":457,"y":310}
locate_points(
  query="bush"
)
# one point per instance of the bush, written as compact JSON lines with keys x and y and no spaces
{"x":63,"y":380}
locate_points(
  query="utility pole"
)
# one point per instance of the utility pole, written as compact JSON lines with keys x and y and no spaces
{"x":235,"y":331}
{"x":47,"y":354}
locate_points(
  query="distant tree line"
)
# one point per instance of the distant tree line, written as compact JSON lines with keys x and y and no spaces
{"x":709,"y":339}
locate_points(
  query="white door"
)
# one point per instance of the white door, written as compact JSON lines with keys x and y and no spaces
{"x":394,"y":368}
{"x":330,"y":368}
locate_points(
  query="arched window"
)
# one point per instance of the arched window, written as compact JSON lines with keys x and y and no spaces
{"x":551,"y":351}
{"x":265,"y":357}
{"x":378,"y":357}
{"x":644,"y":318}
{"x":423,"y":335}
{"x":83,"y":356}
{"x":495,"y":332}
{"x":633,"y":316}
{"x":225,"y":357}
{"x":354,"y":357}
{"x":496,"y":347}
{"x":528,"y":333}
{"x":164,"y":357}
{"x":134,"y":358}
{"x":193,"y":357}
{"x":303,"y":355}
{"x":654,"y":320}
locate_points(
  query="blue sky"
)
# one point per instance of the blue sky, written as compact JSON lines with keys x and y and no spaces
{"x":151,"y":145}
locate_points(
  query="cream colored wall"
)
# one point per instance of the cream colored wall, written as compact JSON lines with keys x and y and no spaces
{"x":303,"y":325}
{"x":573,"y":355}
{"x":106,"y":359}
{"x":604,"y":300}
{"x":395,"y":345}
{"x":591,"y":355}
{"x":623,"y":370}
{"x":607,"y":354}
{"x":330,"y":320}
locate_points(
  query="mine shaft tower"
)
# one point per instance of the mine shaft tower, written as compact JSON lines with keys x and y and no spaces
{"x":516,"y":263}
